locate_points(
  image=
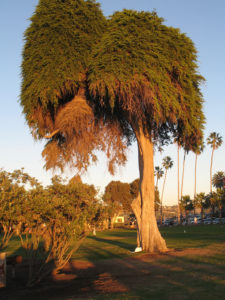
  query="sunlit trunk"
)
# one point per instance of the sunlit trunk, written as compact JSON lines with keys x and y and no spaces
{"x":182,"y":182}
{"x":211,"y":171}
{"x":178,"y":184}
{"x":150,"y":237}
{"x":196,"y":158}
{"x":220,"y":209}
{"x":157,"y":179}
{"x":161,"y":206}
{"x":136,"y":207}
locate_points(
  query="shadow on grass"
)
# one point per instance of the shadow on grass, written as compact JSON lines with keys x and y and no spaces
{"x":171,"y":276}
{"x":118,"y":243}
{"x":142,"y":277}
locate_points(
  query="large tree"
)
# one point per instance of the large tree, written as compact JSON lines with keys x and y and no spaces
{"x":94,"y":84}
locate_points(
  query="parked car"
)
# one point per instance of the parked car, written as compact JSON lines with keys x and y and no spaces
{"x":207,"y":221}
{"x":199,"y":221}
{"x":222,"y":220}
{"x":168,"y":222}
{"x":216,"y":221}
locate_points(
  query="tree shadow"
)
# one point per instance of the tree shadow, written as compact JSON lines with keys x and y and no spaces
{"x":175,"y":275}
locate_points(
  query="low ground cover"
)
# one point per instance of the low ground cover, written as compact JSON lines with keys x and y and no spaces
{"x":105,"y":268}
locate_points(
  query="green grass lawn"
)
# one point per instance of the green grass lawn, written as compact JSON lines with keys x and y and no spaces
{"x":121,"y":242}
{"x":197,"y":273}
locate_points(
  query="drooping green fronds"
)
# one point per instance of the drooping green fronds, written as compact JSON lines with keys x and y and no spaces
{"x":57,"y":47}
{"x":148,"y":71}
{"x":87,"y":82}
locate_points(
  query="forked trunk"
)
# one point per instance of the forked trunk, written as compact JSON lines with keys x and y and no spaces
{"x":136,"y":207}
{"x":150,"y":237}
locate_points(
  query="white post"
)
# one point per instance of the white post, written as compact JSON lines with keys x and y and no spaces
{"x":2,"y":270}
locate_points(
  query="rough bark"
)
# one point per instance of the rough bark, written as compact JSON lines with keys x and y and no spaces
{"x":136,"y":207}
{"x":151,"y":239}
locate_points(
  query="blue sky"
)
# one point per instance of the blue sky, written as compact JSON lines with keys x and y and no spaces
{"x":202,"y":20}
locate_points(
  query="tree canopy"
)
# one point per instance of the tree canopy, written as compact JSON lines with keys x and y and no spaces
{"x":143,"y":70}
{"x":89,"y":79}
{"x":91,"y":83}
{"x":117,"y":194}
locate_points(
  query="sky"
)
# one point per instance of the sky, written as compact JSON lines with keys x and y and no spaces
{"x":202,"y":20}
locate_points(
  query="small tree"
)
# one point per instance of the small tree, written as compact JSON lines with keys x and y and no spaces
{"x":200,"y":201}
{"x":186,"y":204}
{"x":218,"y":179}
{"x":12,"y":194}
{"x":198,"y":150}
{"x":158,"y":173}
{"x":118,"y":198}
{"x":215,"y":141}
{"x":167,"y":164}
{"x":56,"y":221}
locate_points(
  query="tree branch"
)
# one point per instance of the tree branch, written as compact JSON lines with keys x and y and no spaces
{"x":52,"y":134}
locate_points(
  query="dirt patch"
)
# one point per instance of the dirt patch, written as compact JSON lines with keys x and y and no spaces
{"x":83,"y":279}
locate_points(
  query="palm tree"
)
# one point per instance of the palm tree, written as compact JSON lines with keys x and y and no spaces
{"x":182,"y":180}
{"x":167,"y":164}
{"x":217,"y":179}
{"x":215,"y":141}
{"x":200,"y":202}
{"x":158,"y":173}
{"x":197,"y":152}
{"x":186,"y":204}
{"x":178,"y":183}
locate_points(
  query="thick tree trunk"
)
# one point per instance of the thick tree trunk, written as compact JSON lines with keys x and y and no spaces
{"x":136,"y":207}
{"x":150,"y":237}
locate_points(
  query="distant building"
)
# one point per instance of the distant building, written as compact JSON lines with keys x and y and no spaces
{"x":119,"y":219}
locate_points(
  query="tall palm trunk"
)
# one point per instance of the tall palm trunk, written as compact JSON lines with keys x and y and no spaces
{"x":157,"y":179}
{"x":196,"y":158}
{"x":150,"y":237}
{"x":182,"y":182}
{"x":178,"y":184}
{"x":161,"y":207}
{"x":211,"y":170}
